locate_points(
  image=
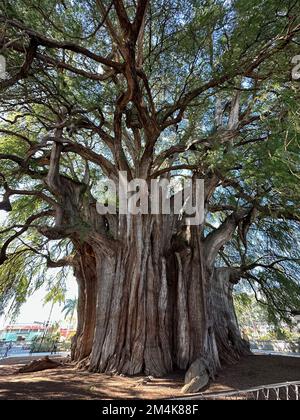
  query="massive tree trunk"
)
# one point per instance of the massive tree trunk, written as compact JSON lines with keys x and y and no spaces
{"x":229,"y":342}
{"x":150,"y":299}
{"x":153,"y":304}
{"x":85,"y":272}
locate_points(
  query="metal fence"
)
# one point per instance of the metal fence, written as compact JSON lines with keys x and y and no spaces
{"x":278,"y":346}
{"x":4,"y":351}
{"x":7,"y":352}
{"x":287,"y":391}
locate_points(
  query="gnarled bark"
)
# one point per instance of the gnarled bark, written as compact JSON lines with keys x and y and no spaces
{"x":85,"y":273}
{"x":154,"y":305}
{"x":229,"y":342}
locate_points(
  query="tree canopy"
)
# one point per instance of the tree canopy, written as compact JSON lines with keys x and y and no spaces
{"x":152,"y":88}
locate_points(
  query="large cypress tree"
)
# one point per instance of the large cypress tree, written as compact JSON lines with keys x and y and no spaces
{"x":154,"y":89}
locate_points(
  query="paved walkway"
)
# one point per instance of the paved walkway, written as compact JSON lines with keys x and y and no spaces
{"x":27,"y":356}
{"x":69,"y":383}
{"x":274,"y":353}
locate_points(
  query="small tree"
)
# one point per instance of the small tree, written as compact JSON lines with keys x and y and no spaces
{"x":45,"y":343}
{"x":70,"y":309}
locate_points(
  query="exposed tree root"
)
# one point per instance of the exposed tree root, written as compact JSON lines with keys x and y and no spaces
{"x":39,"y":365}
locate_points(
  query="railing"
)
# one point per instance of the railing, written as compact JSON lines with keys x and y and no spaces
{"x":3,"y":353}
{"x":24,"y":353}
{"x":276,"y":346}
{"x":279,"y":392}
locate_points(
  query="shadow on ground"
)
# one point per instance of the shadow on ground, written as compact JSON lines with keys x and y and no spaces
{"x":68,"y":383}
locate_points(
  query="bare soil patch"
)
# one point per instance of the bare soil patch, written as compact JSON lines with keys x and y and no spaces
{"x":67,"y":383}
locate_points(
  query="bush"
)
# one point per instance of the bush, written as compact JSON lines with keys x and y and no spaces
{"x":45,"y":344}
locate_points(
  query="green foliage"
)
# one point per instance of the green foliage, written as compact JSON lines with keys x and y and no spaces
{"x":254,"y":318}
{"x":188,"y":43}
{"x":47,"y":342}
{"x":20,"y":276}
{"x":70,"y":308}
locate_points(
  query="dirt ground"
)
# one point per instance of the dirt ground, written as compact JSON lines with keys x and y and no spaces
{"x":68,"y":383}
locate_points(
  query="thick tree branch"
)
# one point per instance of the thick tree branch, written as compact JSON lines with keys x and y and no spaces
{"x":63,"y":262}
{"x":245,"y":68}
{"x":42,"y":40}
{"x":139,"y":20}
{"x":123,"y":18}
{"x":18,"y":135}
{"x":219,"y":237}
{"x":28,"y":223}
{"x":26,"y":66}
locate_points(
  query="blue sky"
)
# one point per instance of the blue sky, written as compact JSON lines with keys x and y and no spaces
{"x":35,"y":309}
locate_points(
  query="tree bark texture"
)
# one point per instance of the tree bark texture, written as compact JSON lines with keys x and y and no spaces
{"x":153,"y":304}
